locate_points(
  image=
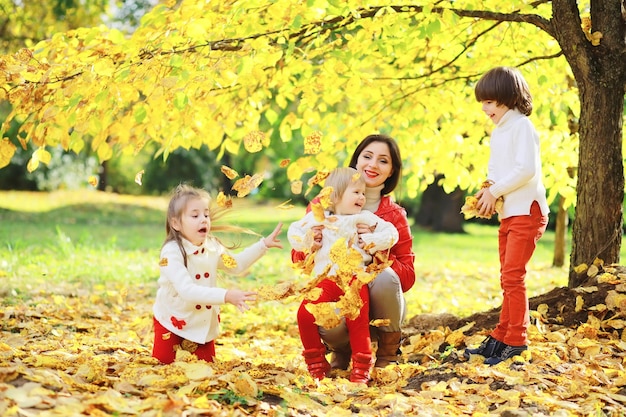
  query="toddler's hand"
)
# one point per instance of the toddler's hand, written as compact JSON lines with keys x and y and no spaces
{"x":238,"y":298}
{"x":272,"y":240}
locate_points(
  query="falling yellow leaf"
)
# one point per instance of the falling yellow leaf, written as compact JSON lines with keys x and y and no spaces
{"x":325,"y":314}
{"x":163,"y":262}
{"x":92,"y":180}
{"x":254,"y":141}
{"x":244,"y":186}
{"x":296,"y":187}
{"x":319,"y":177}
{"x":380,"y":322}
{"x":229,"y":261}
{"x":325,"y":197}
{"x":276,"y":292}
{"x":223,"y":200}
{"x":318,"y":211}
{"x":284,"y":163}
{"x":230,"y":173}
{"x":285,"y":205}
{"x":139,"y":176}
{"x":313,"y":143}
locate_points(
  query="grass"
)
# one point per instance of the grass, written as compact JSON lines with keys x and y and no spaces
{"x":90,"y":239}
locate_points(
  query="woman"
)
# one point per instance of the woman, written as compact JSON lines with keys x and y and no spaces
{"x":378,"y":159}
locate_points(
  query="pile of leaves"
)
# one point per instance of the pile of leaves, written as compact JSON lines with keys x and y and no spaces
{"x":69,"y":350}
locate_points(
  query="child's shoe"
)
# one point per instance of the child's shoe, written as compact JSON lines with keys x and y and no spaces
{"x":506,"y":353}
{"x":316,"y":362}
{"x":488,"y":348}
{"x":361,"y":365}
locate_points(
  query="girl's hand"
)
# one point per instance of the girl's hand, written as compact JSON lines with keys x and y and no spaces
{"x":238,"y":298}
{"x":317,"y":237}
{"x":486,"y":202}
{"x":272,"y":240}
{"x":362,"y":228}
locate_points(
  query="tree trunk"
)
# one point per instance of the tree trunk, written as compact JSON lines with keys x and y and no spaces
{"x":440,"y":211}
{"x":600,"y":75}
{"x":597,"y":229}
{"x":560,"y":234}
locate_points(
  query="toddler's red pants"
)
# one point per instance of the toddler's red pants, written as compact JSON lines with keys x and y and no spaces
{"x":517,"y":240}
{"x":165,"y":343}
{"x":358,"y":329}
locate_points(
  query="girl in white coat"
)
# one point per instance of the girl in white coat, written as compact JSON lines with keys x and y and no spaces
{"x":186,"y":309}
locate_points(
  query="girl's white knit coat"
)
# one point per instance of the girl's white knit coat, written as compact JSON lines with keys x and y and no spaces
{"x":188,"y":299}
{"x":300,"y":236}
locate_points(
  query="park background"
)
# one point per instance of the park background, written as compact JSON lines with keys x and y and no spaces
{"x":102,"y":120}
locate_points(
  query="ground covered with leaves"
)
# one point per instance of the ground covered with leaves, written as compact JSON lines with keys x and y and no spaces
{"x":68,"y":350}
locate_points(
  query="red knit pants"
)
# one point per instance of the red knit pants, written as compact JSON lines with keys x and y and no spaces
{"x":165,"y":343}
{"x":358,"y":329}
{"x":517,"y":240}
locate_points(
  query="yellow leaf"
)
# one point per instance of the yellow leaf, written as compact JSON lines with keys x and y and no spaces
{"x":380,"y":322}
{"x":230,"y":173}
{"x":7,"y":150}
{"x":325,"y":314}
{"x":139,"y":176}
{"x":223,"y":200}
{"x":254,"y":141}
{"x":245,"y":185}
{"x":229,"y":261}
{"x":296,"y":187}
{"x":312,"y":143}
{"x":245,"y":386}
{"x":580,"y":302}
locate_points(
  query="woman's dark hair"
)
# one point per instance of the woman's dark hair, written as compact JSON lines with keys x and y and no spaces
{"x":506,"y":86}
{"x":396,"y":160}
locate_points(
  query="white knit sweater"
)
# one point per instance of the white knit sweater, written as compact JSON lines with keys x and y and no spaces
{"x":300,"y":236}
{"x":515,"y":165}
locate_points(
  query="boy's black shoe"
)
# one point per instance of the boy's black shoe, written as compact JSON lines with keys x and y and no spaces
{"x":488,"y":348}
{"x":506,"y":353}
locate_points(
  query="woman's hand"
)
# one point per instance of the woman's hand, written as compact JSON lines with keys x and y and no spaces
{"x":238,"y":298}
{"x":272,"y":240}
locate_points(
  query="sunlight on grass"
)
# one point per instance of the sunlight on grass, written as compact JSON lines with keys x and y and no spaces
{"x":91,"y":239}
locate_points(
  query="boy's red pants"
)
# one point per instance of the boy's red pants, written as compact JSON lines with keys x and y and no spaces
{"x":165,"y":343}
{"x":517,"y":240}
{"x":358,"y":329}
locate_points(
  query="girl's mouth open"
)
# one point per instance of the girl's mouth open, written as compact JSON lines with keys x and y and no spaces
{"x":370,"y":174}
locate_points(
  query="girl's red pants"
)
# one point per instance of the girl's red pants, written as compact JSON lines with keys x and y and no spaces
{"x":517,"y":240}
{"x":166,"y":343}
{"x":358,"y":329}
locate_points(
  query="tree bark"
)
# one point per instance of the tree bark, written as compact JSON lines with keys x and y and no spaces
{"x":560,"y":234}
{"x":600,"y":74}
{"x":597,"y":229}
